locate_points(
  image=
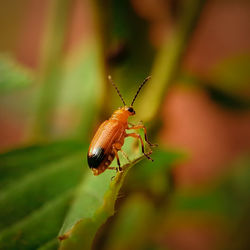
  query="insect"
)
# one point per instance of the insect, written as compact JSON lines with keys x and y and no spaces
{"x":109,"y":138}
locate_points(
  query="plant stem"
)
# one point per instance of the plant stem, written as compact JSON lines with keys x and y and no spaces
{"x":51,"y":64}
{"x":167,"y":60}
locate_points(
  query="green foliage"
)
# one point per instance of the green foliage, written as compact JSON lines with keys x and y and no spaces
{"x":48,"y":192}
{"x":89,"y":213}
{"x":94,"y":204}
{"x":166,"y":64}
{"x":228,"y":82}
{"x":34,"y":199}
{"x":37,"y":194}
{"x":13,"y":76}
{"x":130,"y":230}
{"x":232,"y":76}
{"x":42,"y":186}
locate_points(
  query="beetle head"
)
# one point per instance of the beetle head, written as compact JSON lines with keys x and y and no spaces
{"x":130,"y":110}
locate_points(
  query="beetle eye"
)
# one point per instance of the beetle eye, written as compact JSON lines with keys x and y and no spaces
{"x":131,"y":110}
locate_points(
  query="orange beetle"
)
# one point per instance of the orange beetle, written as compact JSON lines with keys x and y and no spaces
{"x":109,"y":138}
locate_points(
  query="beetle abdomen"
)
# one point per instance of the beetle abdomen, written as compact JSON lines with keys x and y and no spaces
{"x":96,"y":157}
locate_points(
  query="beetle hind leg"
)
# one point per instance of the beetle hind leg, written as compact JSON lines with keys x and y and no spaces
{"x":141,"y":126}
{"x":142,"y":145}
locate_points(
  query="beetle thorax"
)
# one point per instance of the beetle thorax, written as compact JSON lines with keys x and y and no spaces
{"x":121,"y":114}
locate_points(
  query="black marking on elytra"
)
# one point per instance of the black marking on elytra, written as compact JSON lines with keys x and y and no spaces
{"x":96,"y":158}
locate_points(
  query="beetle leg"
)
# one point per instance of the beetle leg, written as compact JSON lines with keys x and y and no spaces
{"x":139,"y":123}
{"x":125,"y":155}
{"x":145,"y":134}
{"x":117,"y":157}
{"x":142,"y":144}
{"x":113,"y":168}
{"x":131,"y":124}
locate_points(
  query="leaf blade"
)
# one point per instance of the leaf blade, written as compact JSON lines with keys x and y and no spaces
{"x":72,"y":237}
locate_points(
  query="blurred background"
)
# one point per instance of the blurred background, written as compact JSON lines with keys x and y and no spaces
{"x":54,"y":60}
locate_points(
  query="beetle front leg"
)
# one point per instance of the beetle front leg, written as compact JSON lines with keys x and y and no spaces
{"x":145,"y":134}
{"x":142,"y":144}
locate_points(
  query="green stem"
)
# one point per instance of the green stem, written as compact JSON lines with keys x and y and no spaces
{"x":94,"y":100}
{"x":51,"y":64}
{"x":167,"y":60}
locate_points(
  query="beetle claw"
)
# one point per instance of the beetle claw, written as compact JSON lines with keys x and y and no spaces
{"x":152,"y":144}
{"x":148,"y":156}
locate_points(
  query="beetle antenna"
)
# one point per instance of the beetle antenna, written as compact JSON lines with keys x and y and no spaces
{"x":139,"y":89}
{"x":117,"y":90}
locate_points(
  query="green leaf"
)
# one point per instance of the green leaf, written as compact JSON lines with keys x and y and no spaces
{"x":18,"y":162}
{"x":13,"y":76}
{"x":93,"y":205}
{"x":163,"y":161}
{"x":38,"y":187}
{"x":95,"y":202}
{"x":51,"y":245}
{"x":38,"y":228}
{"x":39,"y":183}
{"x":132,"y":225}
{"x":155,"y":177}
